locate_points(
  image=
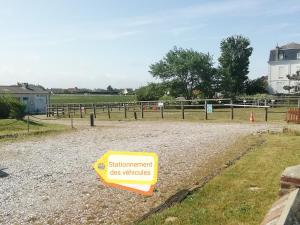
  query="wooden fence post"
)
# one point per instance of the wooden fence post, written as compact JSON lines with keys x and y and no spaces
{"x":80,"y":109}
{"x":56,"y":110}
{"x":125,"y":111}
{"x":134,"y":114}
{"x":142,"y":108}
{"x":28,"y":123}
{"x":266,"y":115}
{"x":231,"y":106}
{"x":68,"y":107}
{"x":182,"y":110}
{"x":205,"y":105}
{"x":63,"y":110}
{"x":94,"y":110}
{"x":108,"y":111}
{"x":92,"y":119}
{"x":72,"y":122}
{"x":162,"y":111}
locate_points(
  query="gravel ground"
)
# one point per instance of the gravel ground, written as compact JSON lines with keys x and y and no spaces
{"x":51,"y":180}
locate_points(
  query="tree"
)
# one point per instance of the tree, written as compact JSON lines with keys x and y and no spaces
{"x":109,"y":88}
{"x":296,"y":79}
{"x":10,"y":107}
{"x":17,"y":109}
{"x":4,"y":107}
{"x":151,"y":92}
{"x":256,"y":86}
{"x":234,"y":64}
{"x":187,"y":68}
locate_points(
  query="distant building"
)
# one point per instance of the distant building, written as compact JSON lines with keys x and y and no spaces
{"x":34,"y":97}
{"x":283,"y":61}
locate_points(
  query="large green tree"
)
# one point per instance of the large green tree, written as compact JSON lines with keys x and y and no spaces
{"x":150,"y":92}
{"x":256,"y":86}
{"x":189,"y":69}
{"x":296,"y":86}
{"x":234,"y":64}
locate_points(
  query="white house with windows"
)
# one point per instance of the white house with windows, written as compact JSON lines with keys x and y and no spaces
{"x":34,"y":97}
{"x":283,"y":61}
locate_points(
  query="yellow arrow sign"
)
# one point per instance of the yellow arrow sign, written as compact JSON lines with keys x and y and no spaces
{"x":127,"y":167}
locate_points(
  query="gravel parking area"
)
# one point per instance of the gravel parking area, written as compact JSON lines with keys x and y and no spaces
{"x":51,"y":180}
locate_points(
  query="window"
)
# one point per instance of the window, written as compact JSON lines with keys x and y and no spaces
{"x":281,"y":56}
{"x":280,"y":72}
{"x":298,"y":70}
{"x":298,"y":55}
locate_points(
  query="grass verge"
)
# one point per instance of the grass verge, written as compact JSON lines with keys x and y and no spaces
{"x":242,"y":193}
{"x":11,"y":129}
{"x":77,"y":98}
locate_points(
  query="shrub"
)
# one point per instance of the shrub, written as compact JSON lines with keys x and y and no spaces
{"x":4,"y":108}
{"x":17,"y":109}
{"x":167,"y":98}
{"x":11,"y":108}
{"x":150,"y":92}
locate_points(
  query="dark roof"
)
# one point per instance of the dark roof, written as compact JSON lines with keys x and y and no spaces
{"x":291,"y":45}
{"x":17,"y":89}
{"x":289,"y":52}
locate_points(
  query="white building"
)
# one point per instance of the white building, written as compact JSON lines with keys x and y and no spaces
{"x":283,"y":61}
{"x":35,"y":98}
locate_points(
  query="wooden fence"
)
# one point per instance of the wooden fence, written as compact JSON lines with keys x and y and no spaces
{"x":143,"y":109}
{"x":293,"y":115}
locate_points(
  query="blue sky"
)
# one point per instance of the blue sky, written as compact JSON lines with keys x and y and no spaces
{"x":94,"y":43}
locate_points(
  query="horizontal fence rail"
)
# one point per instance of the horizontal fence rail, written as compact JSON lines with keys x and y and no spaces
{"x":200,"y":108}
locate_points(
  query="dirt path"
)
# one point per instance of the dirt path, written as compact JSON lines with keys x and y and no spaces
{"x":51,"y":180}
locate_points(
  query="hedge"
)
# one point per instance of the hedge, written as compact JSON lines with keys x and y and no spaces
{"x":10,"y":107}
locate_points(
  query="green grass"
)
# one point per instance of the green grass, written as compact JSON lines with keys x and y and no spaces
{"x":229,"y":199}
{"x":11,"y":128}
{"x":72,"y":98}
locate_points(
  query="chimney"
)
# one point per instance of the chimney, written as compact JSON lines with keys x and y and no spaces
{"x":24,"y":85}
{"x":277,"y":53}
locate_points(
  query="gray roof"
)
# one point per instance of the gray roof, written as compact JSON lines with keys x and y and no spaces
{"x":17,"y":89}
{"x":289,"y":52}
{"x":291,"y":45}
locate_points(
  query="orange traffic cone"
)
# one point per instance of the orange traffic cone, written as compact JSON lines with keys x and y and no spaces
{"x":251,"y":117}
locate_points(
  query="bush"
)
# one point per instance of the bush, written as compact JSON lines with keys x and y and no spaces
{"x":11,"y":108}
{"x":150,"y":92}
{"x":256,"y":86}
{"x":17,"y":109}
{"x":167,"y":98}
{"x":4,"y":108}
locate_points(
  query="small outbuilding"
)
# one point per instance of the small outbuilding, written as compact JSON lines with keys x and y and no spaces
{"x":34,"y":97}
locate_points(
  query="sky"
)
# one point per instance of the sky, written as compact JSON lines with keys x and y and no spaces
{"x":96,"y":43}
